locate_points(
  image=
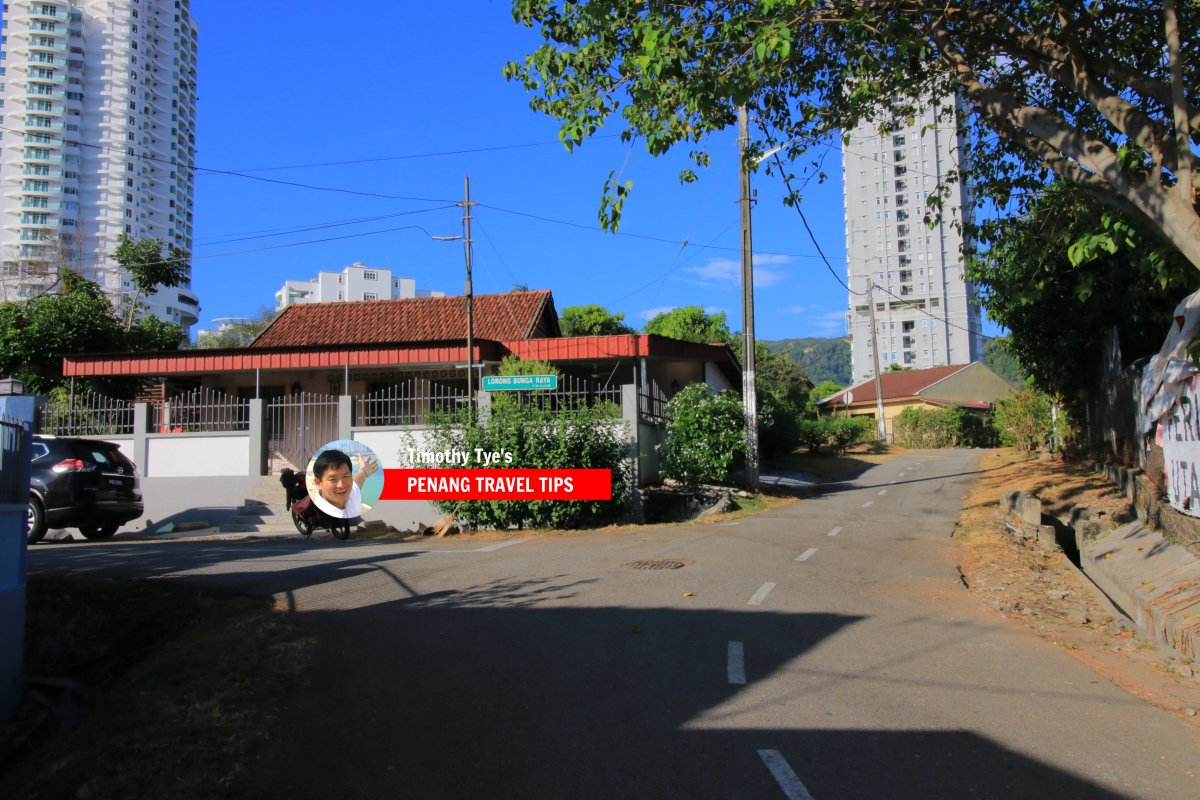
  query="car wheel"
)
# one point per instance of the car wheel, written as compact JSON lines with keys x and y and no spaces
{"x":99,"y":531}
{"x":37,"y":520}
{"x":302,"y":523}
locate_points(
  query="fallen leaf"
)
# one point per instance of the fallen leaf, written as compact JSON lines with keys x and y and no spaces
{"x":689,"y":594}
{"x":635,"y":629}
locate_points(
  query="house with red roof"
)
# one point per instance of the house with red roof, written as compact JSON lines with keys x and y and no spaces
{"x":376,"y":370}
{"x":363,"y":347}
{"x":972,"y":386}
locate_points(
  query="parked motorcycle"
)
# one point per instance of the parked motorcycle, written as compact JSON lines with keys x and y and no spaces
{"x":305,"y":514}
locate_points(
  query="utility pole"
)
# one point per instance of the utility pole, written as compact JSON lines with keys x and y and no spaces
{"x":468,"y":290}
{"x":875,"y":355}
{"x":749,"y":394}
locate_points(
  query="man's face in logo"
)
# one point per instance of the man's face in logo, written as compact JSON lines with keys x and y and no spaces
{"x":335,"y":484}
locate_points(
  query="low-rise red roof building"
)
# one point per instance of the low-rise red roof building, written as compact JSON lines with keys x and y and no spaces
{"x":972,"y":386}
{"x":362,"y":347}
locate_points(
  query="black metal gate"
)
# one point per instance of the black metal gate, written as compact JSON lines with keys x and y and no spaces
{"x":297,"y":424}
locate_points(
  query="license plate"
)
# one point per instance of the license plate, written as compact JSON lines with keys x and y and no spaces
{"x":116,"y":482}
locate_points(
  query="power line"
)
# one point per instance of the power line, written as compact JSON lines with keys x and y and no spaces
{"x":417,"y":155}
{"x":796,"y":205}
{"x":286,"y":231}
{"x":212,"y":171}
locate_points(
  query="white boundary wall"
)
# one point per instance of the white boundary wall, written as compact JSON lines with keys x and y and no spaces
{"x":197,"y":455}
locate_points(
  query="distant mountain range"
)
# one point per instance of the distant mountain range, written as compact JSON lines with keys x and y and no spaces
{"x":823,"y":359}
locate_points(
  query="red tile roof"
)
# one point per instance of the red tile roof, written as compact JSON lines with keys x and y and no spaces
{"x":896,"y":385}
{"x":497,"y":317}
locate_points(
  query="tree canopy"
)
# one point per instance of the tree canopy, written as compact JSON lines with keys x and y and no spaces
{"x":1059,"y":297}
{"x":591,"y":320}
{"x":35,"y":335}
{"x":1096,"y":92}
{"x":692,"y":324}
{"x":150,"y":263}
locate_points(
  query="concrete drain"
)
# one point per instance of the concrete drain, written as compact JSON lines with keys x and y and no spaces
{"x":654,"y":564}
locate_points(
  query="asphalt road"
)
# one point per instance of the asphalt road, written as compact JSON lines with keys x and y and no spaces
{"x":825,"y":650}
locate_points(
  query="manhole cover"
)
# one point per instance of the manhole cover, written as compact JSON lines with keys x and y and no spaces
{"x":656,"y":564}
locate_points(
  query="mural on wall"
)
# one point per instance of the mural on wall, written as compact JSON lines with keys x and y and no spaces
{"x":1179,"y":437}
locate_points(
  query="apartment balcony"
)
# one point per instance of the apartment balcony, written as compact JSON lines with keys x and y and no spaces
{"x":48,"y":11}
{"x":48,"y":208}
{"x":53,"y":47}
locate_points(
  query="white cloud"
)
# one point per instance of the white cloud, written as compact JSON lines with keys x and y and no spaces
{"x":830,"y":324}
{"x":651,"y":313}
{"x":793,"y":310}
{"x":771,"y":258}
{"x":728,"y":271}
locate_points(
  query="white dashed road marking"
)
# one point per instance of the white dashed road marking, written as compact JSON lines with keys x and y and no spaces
{"x":836,"y":531}
{"x":761,"y":594}
{"x":736,"y":663}
{"x":882,"y":492}
{"x":868,"y":504}
{"x":784,"y":776}
{"x":807,"y":554}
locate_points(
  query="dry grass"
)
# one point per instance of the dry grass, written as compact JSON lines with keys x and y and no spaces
{"x":179,"y":686}
{"x":1044,"y":591}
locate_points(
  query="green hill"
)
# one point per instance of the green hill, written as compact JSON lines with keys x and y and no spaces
{"x":823,"y":359}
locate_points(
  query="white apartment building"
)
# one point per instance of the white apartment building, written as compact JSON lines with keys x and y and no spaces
{"x":355,"y":282}
{"x":924,"y":312}
{"x":98,"y":140}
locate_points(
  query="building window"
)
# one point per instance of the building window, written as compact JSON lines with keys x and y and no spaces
{"x":370,"y":276}
{"x":370,"y":296}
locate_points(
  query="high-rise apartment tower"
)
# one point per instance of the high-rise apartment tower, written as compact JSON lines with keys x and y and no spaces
{"x":97,"y":140}
{"x":925,"y":314}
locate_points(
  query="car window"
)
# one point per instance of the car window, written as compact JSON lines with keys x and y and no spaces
{"x":39,"y":451}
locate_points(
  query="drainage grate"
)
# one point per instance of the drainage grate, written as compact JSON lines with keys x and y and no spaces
{"x":659,"y":564}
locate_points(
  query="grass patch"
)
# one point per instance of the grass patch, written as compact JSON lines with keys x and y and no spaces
{"x":180,"y":684}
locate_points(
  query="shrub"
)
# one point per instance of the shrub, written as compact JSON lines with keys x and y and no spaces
{"x":812,"y":433}
{"x":845,"y":431}
{"x":705,"y":435}
{"x":1023,"y":421}
{"x":779,"y":425}
{"x":579,"y":437}
{"x":929,"y":428}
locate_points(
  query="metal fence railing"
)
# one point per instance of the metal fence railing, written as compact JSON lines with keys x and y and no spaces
{"x":407,"y":403}
{"x":297,"y":424}
{"x":200,"y":410}
{"x":572,"y":394}
{"x":652,"y":403}
{"x":86,"y":414}
{"x":12,"y":459}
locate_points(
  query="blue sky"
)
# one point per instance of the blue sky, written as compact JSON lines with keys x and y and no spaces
{"x":284,"y":85}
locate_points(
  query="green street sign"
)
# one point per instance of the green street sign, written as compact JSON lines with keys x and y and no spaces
{"x":519,"y":383}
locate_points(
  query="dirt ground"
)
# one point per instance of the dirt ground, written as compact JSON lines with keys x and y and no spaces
{"x":1043,"y":591}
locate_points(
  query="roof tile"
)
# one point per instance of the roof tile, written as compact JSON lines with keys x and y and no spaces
{"x":896,"y":384}
{"x":498,"y":317}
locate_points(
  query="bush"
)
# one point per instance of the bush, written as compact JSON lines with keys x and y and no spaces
{"x":929,"y":428}
{"x":705,"y":435}
{"x":1023,"y":421}
{"x":812,"y":433}
{"x":579,"y":437}
{"x":845,"y":431}
{"x":779,"y":425}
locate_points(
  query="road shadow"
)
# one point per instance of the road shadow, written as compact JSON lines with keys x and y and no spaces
{"x":496,"y":692}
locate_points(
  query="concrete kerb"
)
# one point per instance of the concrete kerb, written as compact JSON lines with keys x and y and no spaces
{"x":1149,"y":568}
{"x":1155,"y":582}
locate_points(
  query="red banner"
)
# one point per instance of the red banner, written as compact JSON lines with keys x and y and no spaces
{"x":497,"y":484}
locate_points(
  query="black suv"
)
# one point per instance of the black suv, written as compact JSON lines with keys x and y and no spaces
{"x":81,"y":483}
